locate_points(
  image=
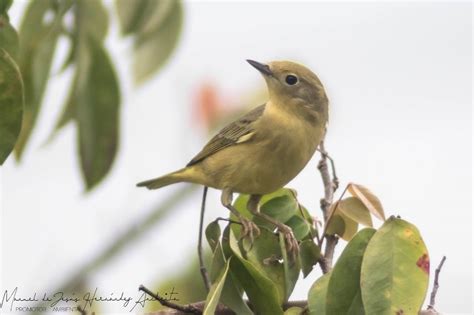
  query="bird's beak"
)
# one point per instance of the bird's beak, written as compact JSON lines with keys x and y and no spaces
{"x":263,"y":68}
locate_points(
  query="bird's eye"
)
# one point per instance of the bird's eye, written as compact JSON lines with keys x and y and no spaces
{"x":291,"y":79}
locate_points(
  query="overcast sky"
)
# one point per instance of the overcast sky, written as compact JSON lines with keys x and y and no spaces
{"x":399,"y":81}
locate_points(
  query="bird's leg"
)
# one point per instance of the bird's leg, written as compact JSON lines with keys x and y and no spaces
{"x":248,"y":227}
{"x":292,"y":243}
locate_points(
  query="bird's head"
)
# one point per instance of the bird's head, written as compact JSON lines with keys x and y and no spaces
{"x":291,"y":84}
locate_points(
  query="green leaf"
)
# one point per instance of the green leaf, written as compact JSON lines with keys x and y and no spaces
{"x":8,"y":37}
{"x":152,"y":50}
{"x":344,"y":285}
{"x":11,"y":104}
{"x":395,"y":270}
{"x":131,"y":14}
{"x":265,"y":255}
{"x":299,"y":226}
{"x":214,"y":295}
{"x":356,"y":210}
{"x":217,"y":264}
{"x":213,"y":233}
{"x":335,"y":225}
{"x":261,"y":290}
{"x":309,"y":256}
{"x":231,"y":295}
{"x":37,"y":45}
{"x":98,"y":97}
{"x":156,"y":14}
{"x":291,"y":268}
{"x":317,"y":295}
{"x":93,"y":19}
{"x":342,"y":225}
{"x":281,"y":208}
{"x":294,"y":311}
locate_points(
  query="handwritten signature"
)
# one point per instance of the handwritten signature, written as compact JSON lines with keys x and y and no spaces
{"x":86,"y":300}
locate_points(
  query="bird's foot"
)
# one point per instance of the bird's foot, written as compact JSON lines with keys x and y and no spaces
{"x":292,"y":245}
{"x":249,"y":229}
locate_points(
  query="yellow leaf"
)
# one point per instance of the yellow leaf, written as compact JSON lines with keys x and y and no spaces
{"x":356,"y":210}
{"x":368,"y":199}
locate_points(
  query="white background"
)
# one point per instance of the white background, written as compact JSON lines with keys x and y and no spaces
{"x":399,"y":81}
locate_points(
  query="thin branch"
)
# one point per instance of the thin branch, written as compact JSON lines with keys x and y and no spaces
{"x":221,"y":309}
{"x":335,"y":179}
{"x":202,"y":267}
{"x":330,"y":186}
{"x":183,"y":308}
{"x":436,"y":285}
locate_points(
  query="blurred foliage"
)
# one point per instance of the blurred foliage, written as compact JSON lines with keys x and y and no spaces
{"x":93,"y":103}
{"x":186,"y":283}
{"x":11,"y":85}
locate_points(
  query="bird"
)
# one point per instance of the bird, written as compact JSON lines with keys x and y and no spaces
{"x":264,"y":149}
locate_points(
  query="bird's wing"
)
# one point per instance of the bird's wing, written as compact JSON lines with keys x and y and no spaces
{"x":236,"y":132}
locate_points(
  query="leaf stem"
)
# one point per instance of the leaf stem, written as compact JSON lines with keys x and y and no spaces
{"x":202,"y":267}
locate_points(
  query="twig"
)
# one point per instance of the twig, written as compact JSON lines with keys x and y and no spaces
{"x":330,"y":186}
{"x":436,"y":285}
{"x":335,"y":179}
{"x":183,"y":308}
{"x":202,"y":267}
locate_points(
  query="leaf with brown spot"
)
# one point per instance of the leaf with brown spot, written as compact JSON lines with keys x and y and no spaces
{"x":391,"y":277}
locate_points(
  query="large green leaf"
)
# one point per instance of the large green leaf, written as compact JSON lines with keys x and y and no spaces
{"x":300,"y":227}
{"x":344,"y":285}
{"x":231,"y":294}
{"x":152,"y":49}
{"x":317,"y":295}
{"x":260,"y":288}
{"x":11,"y":104}
{"x":8,"y":37}
{"x":37,"y":45}
{"x":291,"y":268}
{"x":281,"y":208}
{"x":98,"y":97}
{"x":395,"y":270}
{"x":215,"y":291}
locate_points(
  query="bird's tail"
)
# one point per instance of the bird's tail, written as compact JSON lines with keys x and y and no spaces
{"x":168,"y":179}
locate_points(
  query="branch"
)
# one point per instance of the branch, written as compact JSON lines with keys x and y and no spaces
{"x":202,"y":267}
{"x":436,"y":285}
{"x":222,"y":309}
{"x":330,"y":186}
{"x":186,"y":309}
